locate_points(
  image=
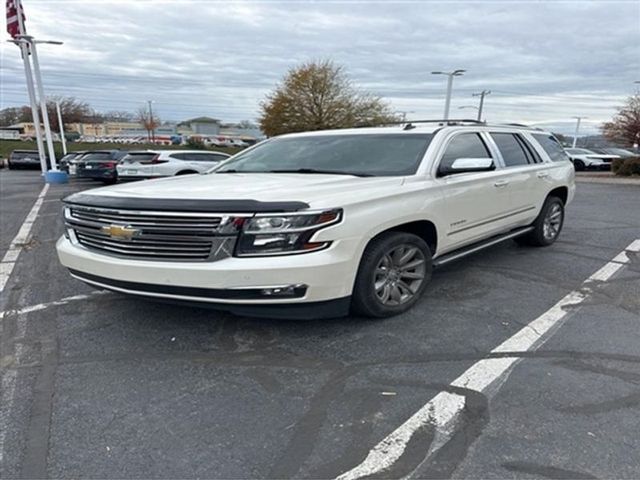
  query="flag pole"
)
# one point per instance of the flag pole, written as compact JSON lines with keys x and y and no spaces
{"x":43,"y":103}
{"x":24,"y":49}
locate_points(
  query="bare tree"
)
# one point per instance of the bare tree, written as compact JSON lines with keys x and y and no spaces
{"x":625,"y":126}
{"x":148,"y":122}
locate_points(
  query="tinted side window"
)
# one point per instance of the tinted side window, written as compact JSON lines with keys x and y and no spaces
{"x":531,"y":152}
{"x":465,"y":145}
{"x":511,"y":149}
{"x":205,"y":157}
{"x":551,"y":146}
{"x":179,"y":156}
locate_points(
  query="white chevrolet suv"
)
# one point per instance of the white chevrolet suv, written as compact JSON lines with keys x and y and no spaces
{"x":319,"y":224}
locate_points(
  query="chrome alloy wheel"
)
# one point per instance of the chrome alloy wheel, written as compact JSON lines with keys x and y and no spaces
{"x":552,"y":222}
{"x":399,"y":274}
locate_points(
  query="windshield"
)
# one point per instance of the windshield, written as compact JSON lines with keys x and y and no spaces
{"x":361,"y":155}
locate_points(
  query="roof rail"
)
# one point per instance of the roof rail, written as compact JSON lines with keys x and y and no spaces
{"x":451,"y":121}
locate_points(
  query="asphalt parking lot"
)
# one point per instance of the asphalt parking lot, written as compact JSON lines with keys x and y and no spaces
{"x":106,"y":386}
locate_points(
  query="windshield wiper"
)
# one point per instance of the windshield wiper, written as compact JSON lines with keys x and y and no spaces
{"x":318,"y":171}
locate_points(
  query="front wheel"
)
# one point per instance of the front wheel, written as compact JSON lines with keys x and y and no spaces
{"x":547,"y":226}
{"x":393,"y":274}
{"x":579,"y":165}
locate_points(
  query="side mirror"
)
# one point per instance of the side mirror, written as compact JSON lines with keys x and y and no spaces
{"x":466,"y":165}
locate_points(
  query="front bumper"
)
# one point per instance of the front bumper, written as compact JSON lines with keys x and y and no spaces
{"x":327,"y":276}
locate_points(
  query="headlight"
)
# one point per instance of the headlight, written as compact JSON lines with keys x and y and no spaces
{"x":284,"y":234}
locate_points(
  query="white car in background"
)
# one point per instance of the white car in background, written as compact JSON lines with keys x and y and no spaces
{"x":584,"y":159}
{"x":167,"y":163}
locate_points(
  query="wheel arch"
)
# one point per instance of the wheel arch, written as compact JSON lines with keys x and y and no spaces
{"x":560,"y":192}
{"x":424,"y":229}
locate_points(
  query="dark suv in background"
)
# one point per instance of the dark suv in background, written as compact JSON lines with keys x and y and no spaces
{"x":25,"y":159}
{"x":100,"y":165}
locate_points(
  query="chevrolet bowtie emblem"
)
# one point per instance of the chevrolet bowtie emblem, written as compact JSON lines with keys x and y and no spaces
{"x":120,"y":232}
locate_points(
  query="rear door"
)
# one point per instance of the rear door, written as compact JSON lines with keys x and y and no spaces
{"x":477,"y":203}
{"x":525,"y":173}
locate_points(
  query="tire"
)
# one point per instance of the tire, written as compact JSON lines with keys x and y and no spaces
{"x":578,"y":165}
{"x":384,"y":262}
{"x":548,"y":225}
{"x":186,"y":172}
{"x":109,"y":181}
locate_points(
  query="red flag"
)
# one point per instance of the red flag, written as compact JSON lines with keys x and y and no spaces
{"x":13,"y":23}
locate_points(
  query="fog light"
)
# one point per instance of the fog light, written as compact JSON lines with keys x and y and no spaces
{"x":284,"y":291}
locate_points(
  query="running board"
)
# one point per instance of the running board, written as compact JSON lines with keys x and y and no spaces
{"x":476,"y":247}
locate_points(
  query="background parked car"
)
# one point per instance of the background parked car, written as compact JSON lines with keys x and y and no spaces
{"x":100,"y":165}
{"x":621,"y":152}
{"x":69,"y":163}
{"x":24,"y":159}
{"x":166,"y":163}
{"x":584,"y":159}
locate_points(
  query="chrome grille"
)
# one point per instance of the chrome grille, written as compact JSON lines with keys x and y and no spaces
{"x":181,"y":236}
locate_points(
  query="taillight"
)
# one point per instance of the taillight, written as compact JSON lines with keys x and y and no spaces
{"x":109,"y":164}
{"x":154,"y":161}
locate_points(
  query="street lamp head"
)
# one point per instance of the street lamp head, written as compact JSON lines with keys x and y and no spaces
{"x":457,"y":73}
{"x":437,"y":73}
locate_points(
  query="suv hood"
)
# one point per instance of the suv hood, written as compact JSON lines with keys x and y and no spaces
{"x":317,"y":190}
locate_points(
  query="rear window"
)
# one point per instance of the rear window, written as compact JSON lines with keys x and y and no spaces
{"x":96,"y":157}
{"x":551,"y":146}
{"x":24,"y":154}
{"x":139,"y":157}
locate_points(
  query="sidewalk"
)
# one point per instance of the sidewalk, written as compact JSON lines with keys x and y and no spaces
{"x":606,"y":177}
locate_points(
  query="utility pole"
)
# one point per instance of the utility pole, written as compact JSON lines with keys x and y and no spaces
{"x":61,"y":125}
{"x":151,"y":123}
{"x":575,"y":136}
{"x":482,"y":94}
{"x":450,"y":75}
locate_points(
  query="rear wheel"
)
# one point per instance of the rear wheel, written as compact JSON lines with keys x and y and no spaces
{"x":578,"y":165}
{"x":393,"y":274}
{"x":547,"y":226}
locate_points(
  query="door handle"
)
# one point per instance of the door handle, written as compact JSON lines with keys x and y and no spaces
{"x":543,"y":174}
{"x":501,"y":183}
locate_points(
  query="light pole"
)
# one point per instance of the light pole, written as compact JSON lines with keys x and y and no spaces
{"x":24,"y":50}
{"x":61,"y":127}
{"x":450,"y":75}
{"x":151,"y":123}
{"x":482,"y":94}
{"x":575,"y":136}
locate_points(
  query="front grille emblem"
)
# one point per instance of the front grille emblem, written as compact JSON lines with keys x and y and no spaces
{"x":120,"y":232}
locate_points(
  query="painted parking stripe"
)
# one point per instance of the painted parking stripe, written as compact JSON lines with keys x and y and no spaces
{"x":17,"y":244}
{"x":442,"y":410}
{"x":42,"y":306}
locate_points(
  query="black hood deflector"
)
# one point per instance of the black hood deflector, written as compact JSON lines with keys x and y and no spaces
{"x":184,"y":204}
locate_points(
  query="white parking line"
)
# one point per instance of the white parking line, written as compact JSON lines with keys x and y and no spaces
{"x":17,"y":244}
{"x":42,"y":306}
{"x":443,"y":409}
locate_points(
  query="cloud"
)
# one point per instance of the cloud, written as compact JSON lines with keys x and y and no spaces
{"x":544,"y":61}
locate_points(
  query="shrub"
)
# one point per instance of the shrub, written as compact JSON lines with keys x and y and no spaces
{"x":626,"y":167}
{"x":196,"y":143}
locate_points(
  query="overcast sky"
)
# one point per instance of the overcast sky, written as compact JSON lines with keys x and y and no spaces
{"x":544,"y":61}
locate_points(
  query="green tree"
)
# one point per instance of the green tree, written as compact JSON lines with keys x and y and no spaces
{"x":317,"y":96}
